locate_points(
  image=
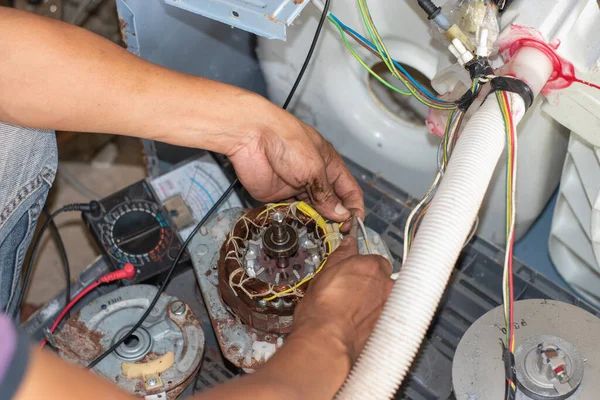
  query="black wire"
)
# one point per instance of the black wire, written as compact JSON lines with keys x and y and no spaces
{"x":429,"y":7}
{"x":308,"y":55}
{"x":214,"y":208}
{"x":29,"y":270}
{"x":63,"y":255}
{"x":210,"y":212}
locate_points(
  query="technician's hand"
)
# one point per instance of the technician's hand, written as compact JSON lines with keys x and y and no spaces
{"x":345,"y":300}
{"x":288,"y":158}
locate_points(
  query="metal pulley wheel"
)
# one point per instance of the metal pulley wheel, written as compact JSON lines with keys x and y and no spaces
{"x":556,"y":356}
{"x":158,"y":361}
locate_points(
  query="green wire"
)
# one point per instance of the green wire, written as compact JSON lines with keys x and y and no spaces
{"x":364,"y":12}
{"x":386,"y":57}
{"x":356,"y":56}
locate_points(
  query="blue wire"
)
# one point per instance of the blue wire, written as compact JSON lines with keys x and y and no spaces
{"x":396,"y":63}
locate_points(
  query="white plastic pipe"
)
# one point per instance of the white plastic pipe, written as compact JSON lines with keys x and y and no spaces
{"x":390,"y":351}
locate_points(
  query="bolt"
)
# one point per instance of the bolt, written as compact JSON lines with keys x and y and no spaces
{"x":279,"y":234}
{"x":178,"y":307}
{"x":202,"y":250}
{"x":278,"y":217}
{"x":152,"y":382}
{"x":376,"y":240}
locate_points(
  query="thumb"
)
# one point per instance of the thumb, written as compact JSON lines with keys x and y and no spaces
{"x":346,"y":249}
{"x":322,"y":195}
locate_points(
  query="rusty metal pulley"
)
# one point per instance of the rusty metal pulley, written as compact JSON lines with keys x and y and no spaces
{"x":159,"y":360}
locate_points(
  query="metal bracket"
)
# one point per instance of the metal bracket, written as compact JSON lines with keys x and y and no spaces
{"x":268,"y":18}
{"x":127,"y":26}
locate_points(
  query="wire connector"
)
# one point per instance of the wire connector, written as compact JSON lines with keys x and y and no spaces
{"x":93,"y":207}
{"x":127,"y":272}
{"x":430,"y":8}
{"x":460,"y":52}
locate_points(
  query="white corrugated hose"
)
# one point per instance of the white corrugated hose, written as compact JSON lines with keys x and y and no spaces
{"x":390,"y":351}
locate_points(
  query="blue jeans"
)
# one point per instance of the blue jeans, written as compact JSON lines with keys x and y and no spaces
{"x":28,"y":163}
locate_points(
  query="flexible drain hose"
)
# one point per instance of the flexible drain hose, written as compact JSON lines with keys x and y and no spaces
{"x":387,"y":357}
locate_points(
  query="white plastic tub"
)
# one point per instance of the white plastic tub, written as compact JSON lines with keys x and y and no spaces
{"x":337,"y":98}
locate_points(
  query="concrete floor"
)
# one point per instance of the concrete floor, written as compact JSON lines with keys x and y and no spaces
{"x":78,"y":160}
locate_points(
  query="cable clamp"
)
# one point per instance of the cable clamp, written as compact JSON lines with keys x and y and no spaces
{"x":465,"y":101}
{"x":513,"y":85}
{"x":479,"y":68}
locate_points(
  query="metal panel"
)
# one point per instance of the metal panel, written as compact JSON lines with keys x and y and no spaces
{"x":268,"y":18}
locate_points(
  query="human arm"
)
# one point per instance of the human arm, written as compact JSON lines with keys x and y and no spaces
{"x":57,"y":76}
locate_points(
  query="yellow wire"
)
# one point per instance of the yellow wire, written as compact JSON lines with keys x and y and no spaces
{"x":364,"y":65}
{"x":320,"y":222}
{"x":272,"y":207}
{"x":504,"y":108}
{"x":302,"y":282}
{"x":385,"y":55}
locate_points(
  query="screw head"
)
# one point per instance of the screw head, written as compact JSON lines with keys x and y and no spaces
{"x":152,"y":382}
{"x":278,"y":217}
{"x":178,"y":307}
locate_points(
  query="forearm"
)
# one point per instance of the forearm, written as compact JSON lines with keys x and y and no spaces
{"x":49,"y":377}
{"x":308,"y":366}
{"x":57,"y":76}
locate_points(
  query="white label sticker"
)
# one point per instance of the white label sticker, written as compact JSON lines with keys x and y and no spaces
{"x":200,"y":183}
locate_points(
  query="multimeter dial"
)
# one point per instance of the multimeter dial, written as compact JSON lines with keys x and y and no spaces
{"x":136,"y":232}
{"x":133,"y":228}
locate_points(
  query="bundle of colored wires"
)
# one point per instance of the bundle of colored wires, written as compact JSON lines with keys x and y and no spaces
{"x":507,"y":280}
{"x":447,"y":144}
{"x":377,"y":48}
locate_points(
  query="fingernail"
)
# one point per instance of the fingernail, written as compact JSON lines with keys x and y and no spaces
{"x":341,"y":210}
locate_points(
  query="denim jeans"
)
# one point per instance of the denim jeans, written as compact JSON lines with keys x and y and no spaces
{"x":28,"y":162}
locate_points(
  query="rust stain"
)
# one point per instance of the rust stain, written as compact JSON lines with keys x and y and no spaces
{"x":149,"y":357}
{"x":231,"y":351}
{"x":122,"y":27}
{"x":140,"y":387}
{"x":298,"y":2}
{"x":190,"y":319}
{"x":78,"y":342}
{"x":174,"y":394}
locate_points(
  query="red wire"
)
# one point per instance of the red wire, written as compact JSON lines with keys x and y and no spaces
{"x":69,"y":306}
{"x":127,"y":272}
